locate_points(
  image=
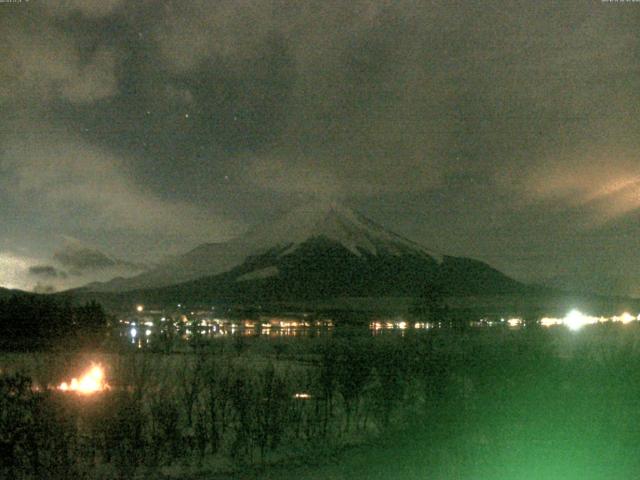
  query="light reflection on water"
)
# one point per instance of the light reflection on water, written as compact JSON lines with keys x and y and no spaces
{"x":275,"y":328}
{"x":142,"y":333}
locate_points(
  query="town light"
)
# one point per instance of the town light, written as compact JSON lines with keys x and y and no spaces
{"x":575,"y":320}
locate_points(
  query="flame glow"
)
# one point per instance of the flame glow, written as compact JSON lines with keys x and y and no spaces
{"x":91,"y":382}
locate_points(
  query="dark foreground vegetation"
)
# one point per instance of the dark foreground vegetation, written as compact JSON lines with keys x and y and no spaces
{"x":482,"y":404}
{"x":33,"y":322}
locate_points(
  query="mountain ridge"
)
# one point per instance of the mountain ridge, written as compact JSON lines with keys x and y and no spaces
{"x":314,"y":252}
{"x":331,"y":220}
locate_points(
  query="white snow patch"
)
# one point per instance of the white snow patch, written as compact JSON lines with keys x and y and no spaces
{"x":258,"y":274}
{"x":348,"y":228}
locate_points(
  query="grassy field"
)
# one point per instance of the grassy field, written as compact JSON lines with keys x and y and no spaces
{"x":482,"y":404}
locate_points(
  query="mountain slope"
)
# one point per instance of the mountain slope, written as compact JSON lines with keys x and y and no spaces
{"x":315,"y":251}
{"x":6,"y":293}
{"x":338,"y":224}
{"x":322,"y":269}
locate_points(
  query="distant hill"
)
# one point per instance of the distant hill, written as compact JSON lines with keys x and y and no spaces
{"x":5,"y":292}
{"x":602,"y":284}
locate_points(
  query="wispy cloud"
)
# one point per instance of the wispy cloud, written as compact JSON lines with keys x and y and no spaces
{"x":73,"y":181}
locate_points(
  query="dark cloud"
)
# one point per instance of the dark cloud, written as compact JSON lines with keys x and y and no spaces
{"x":67,"y":178}
{"x":80,"y":259}
{"x":46,"y":271}
{"x":42,"y":62}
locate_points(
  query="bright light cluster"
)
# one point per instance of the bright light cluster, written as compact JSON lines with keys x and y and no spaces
{"x":398,"y":324}
{"x":575,"y":320}
{"x":550,"y":322}
{"x":514,"y":322}
{"x":91,"y":382}
{"x":624,"y":318}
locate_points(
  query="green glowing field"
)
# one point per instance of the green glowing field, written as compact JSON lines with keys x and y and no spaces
{"x":555,"y":405}
{"x":483,"y":404}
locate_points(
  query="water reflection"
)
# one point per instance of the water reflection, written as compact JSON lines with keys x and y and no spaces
{"x":164,"y":329}
{"x":397,"y":324}
{"x":143,"y":330}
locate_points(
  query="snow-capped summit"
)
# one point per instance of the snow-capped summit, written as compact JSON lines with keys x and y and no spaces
{"x":317,"y":249}
{"x":319,"y":219}
{"x":335,"y":222}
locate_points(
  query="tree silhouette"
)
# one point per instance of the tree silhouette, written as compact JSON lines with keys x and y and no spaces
{"x":430,"y":305}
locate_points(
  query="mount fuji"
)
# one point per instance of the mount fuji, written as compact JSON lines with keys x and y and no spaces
{"x":317,"y":250}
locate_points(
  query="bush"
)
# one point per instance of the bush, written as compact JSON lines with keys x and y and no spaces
{"x":38,"y":435}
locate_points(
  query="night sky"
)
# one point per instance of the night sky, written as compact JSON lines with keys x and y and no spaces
{"x":131,"y":130}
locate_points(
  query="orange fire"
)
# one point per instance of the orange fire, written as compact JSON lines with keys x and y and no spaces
{"x":91,"y":382}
